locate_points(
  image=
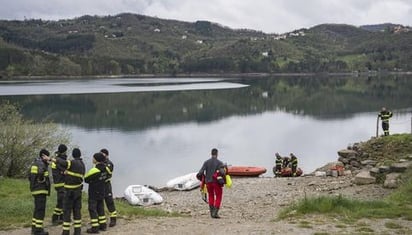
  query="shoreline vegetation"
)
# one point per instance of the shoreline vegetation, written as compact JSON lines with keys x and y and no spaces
{"x":205,"y":75}
{"x":288,"y":205}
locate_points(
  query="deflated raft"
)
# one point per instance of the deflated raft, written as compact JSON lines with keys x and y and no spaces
{"x":142,"y":196}
{"x":185,"y":182}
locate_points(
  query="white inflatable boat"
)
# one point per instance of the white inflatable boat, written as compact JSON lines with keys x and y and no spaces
{"x":142,"y":195}
{"x":185,"y":182}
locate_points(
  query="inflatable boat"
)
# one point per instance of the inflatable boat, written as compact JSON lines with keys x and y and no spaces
{"x":184,"y":182}
{"x":251,"y":171}
{"x":142,"y":196}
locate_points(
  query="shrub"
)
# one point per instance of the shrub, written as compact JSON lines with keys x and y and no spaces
{"x":21,"y":140}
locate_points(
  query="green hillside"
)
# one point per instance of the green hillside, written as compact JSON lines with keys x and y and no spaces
{"x":137,"y":44}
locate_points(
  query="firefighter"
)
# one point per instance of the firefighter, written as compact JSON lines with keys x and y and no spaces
{"x":278,"y":165}
{"x":108,"y":198}
{"x":40,"y":189}
{"x":384,"y":115}
{"x":96,"y":178}
{"x":58,"y":180}
{"x":73,"y":185}
{"x":294,"y":164}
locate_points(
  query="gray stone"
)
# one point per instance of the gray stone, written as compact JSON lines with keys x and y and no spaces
{"x":374,"y":172}
{"x":369,"y":162}
{"x":384,"y":169}
{"x":364,"y":177}
{"x":391,"y":180}
{"x":400,"y":167}
{"x":347,"y":153}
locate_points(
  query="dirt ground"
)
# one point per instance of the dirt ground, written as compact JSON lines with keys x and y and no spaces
{"x":251,"y":207}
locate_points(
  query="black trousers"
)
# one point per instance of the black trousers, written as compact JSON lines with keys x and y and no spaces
{"x":58,"y":210}
{"x":385,"y":127}
{"x":96,"y":211}
{"x":39,"y":210}
{"x":108,"y":199}
{"x":72,"y":203}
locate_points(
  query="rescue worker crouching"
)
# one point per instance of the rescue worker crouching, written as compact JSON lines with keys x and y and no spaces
{"x":96,"y":178}
{"x":58,"y":181}
{"x":40,"y":189}
{"x":73,"y":185}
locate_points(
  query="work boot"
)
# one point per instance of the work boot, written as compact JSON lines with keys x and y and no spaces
{"x":103,"y":227}
{"x":215,"y":213}
{"x":66,"y":232}
{"x":112,"y":221}
{"x":40,"y":231}
{"x":212,"y":209}
{"x":77,"y":231}
{"x":93,"y":230}
{"x":55,"y":219}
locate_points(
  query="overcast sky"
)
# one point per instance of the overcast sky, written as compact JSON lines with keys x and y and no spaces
{"x":270,"y":16}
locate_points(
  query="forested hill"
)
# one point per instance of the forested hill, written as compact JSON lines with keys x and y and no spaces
{"x":137,"y":44}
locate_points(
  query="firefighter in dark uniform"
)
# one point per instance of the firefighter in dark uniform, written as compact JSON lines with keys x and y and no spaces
{"x":108,"y":198}
{"x":294,"y":164}
{"x":58,"y":181}
{"x":96,"y":178}
{"x":40,"y":189}
{"x":278,"y":165}
{"x":73,"y":185}
{"x":384,"y":116}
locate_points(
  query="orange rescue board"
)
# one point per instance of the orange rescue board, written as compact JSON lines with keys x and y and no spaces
{"x":245,"y":170}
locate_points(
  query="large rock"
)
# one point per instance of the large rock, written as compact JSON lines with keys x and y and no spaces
{"x":400,"y":167}
{"x":347,"y":153}
{"x":391,"y":180}
{"x":364,"y":177}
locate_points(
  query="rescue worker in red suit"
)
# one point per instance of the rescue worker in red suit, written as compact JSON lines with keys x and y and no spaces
{"x":96,"y":178}
{"x":214,"y":173}
{"x":73,"y":185}
{"x":40,"y":189}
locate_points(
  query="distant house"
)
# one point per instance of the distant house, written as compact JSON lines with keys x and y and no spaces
{"x":184,"y":37}
{"x":156,"y":30}
{"x":265,"y":54}
{"x":199,"y":41}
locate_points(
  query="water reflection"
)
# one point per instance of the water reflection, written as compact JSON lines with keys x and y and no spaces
{"x":155,"y":155}
{"x":157,"y":135}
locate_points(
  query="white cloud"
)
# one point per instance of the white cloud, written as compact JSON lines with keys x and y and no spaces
{"x":276,"y":16}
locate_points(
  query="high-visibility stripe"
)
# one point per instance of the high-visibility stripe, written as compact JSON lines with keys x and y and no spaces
{"x":71,"y":173}
{"x":92,"y":171}
{"x":53,"y":165}
{"x":69,"y":164}
{"x":113,"y":214}
{"x":72,"y":186}
{"x":34,"y":170}
{"x":58,"y":185}
{"x":108,"y":170}
{"x":37,"y":192}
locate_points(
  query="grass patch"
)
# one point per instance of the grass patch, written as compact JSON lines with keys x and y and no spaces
{"x":16,"y":206}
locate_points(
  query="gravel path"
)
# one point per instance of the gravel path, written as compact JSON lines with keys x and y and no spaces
{"x":251,"y":206}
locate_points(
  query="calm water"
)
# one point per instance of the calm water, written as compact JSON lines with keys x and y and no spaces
{"x":158,"y":129}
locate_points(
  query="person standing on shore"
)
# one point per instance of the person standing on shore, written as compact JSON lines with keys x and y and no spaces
{"x":96,"y":178}
{"x":40,"y":189}
{"x":58,"y":181}
{"x":277,"y":170}
{"x":108,"y":198}
{"x":385,"y":115}
{"x":214,"y":173}
{"x":73,"y":185}
{"x":294,"y":164}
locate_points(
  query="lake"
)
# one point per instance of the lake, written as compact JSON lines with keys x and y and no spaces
{"x":160,"y":128}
